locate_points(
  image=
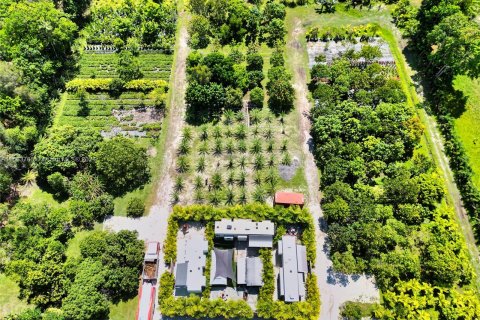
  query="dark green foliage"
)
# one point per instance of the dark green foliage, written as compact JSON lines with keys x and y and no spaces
{"x":256,"y":97}
{"x":122,"y":165}
{"x":280,"y":90}
{"x":135,"y":207}
{"x":59,"y":185}
{"x":128,"y":67}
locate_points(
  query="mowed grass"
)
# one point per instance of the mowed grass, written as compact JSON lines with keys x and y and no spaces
{"x":468,"y":124}
{"x":9,"y":302}
{"x":152,"y":65}
{"x":124,"y":310}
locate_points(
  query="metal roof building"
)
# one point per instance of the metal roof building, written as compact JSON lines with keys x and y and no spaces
{"x":294,"y":269}
{"x":258,"y":234}
{"x":289,"y":198}
{"x":191,"y":264}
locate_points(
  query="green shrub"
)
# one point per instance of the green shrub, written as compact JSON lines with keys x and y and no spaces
{"x":59,"y":184}
{"x":257,"y":97}
{"x":135,"y":208}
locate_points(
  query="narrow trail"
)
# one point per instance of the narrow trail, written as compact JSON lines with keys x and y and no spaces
{"x":154,"y":226}
{"x":335,"y":288}
{"x":438,"y":150}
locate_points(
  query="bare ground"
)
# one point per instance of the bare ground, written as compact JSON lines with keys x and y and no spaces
{"x":335,"y":288}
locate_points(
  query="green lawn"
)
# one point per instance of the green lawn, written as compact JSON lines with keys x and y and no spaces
{"x":468,"y":124}
{"x":9,"y":302}
{"x":124,"y":310}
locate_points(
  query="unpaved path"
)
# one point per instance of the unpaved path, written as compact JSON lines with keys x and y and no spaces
{"x":438,"y":151}
{"x":335,"y":288}
{"x":154,"y":226}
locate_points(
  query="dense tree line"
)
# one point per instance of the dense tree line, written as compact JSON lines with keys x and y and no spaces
{"x":34,"y":254}
{"x":446,"y":39}
{"x":36,"y":55}
{"x":381,"y":197}
{"x":236,"y":22}
{"x":131,"y":23}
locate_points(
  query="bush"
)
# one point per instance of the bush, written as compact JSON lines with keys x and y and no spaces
{"x":115,"y":85}
{"x":59,"y":184}
{"x":256,"y":97}
{"x":135,"y":208}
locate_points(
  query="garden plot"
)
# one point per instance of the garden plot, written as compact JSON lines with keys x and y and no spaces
{"x":234,"y":161}
{"x":334,"y":49}
{"x":103,"y":65}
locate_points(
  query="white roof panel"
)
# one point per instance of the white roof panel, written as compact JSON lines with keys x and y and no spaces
{"x":260,"y":241}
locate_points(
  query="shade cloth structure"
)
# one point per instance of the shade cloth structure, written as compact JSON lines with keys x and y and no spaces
{"x":224,"y":263}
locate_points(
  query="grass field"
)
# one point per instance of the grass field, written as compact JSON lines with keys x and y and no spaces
{"x":468,"y":124}
{"x":9,"y":302}
{"x":124,"y":310}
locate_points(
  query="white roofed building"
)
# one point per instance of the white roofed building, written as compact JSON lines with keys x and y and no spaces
{"x":258,"y":234}
{"x":294,"y":269}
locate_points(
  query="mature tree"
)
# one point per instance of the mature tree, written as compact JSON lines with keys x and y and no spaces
{"x":38,"y":38}
{"x":280,"y":91}
{"x":256,"y":97}
{"x":206,"y":100}
{"x":274,"y":32}
{"x":199,"y":30}
{"x":85,"y":186}
{"x":128,"y":67}
{"x":84,"y":300}
{"x":135,"y":207}
{"x":121,"y":164}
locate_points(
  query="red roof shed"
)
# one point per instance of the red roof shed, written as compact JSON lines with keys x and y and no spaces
{"x":289,"y":198}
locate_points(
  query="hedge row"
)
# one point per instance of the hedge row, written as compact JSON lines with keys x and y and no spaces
{"x":275,"y":309}
{"x":256,"y":212}
{"x":105,"y":84}
{"x":196,"y":307}
{"x":364,"y":32}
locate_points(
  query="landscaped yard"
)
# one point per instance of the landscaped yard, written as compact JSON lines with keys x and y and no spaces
{"x":468,"y":124}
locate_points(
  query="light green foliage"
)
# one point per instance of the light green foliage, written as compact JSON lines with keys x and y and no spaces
{"x":135,"y":207}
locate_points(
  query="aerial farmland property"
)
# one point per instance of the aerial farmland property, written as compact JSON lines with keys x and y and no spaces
{"x":239,"y":159}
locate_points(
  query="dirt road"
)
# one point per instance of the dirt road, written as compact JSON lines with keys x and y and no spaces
{"x":335,"y":288}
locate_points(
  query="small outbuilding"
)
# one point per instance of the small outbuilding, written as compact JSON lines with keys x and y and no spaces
{"x":288,"y":199}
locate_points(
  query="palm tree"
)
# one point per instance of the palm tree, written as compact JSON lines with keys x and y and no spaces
{"x":175,"y":197}
{"x":198,"y":183}
{"x":242,"y":178}
{"x":242,"y":198}
{"x":217,"y":132}
{"x":29,"y":178}
{"x":179,"y":184}
{"x":286,"y":160}
{"x":199,"y":196}
{"x":259,"y":195}
{"x":203,"y":149}
{"x":284,"y":146}
{"x":255,"y":116}
{"x":228,"y":132}
{"x":184,"y":147}
{"x":229,"y":116}
{"x":187,"y":133}
{"x":201,"y":164}
{"x":183,"y":164}
{"x":240,"y":116}
{"x":214,"y":198}
{"x":230,"y":163}
{"x":242,"y":146}
{"x":241,"y":131}
{"x":230,"y":147}
{"x":242,"y":162}
{"x":204,"y":133}
{"x":257,"y":179}
{"x":256,"y":131}
{"x":270,"y":146}
{"x":271,"y":161}
{"x":272,"y":177}
{"x":217,"y":181}
{"x":229,"y":197}
{"x":231,"y":178}
{"x":269,"y":133}
{"x":256,"y":146}
{"x":259,"y":162}
{"x":218,"y":148}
